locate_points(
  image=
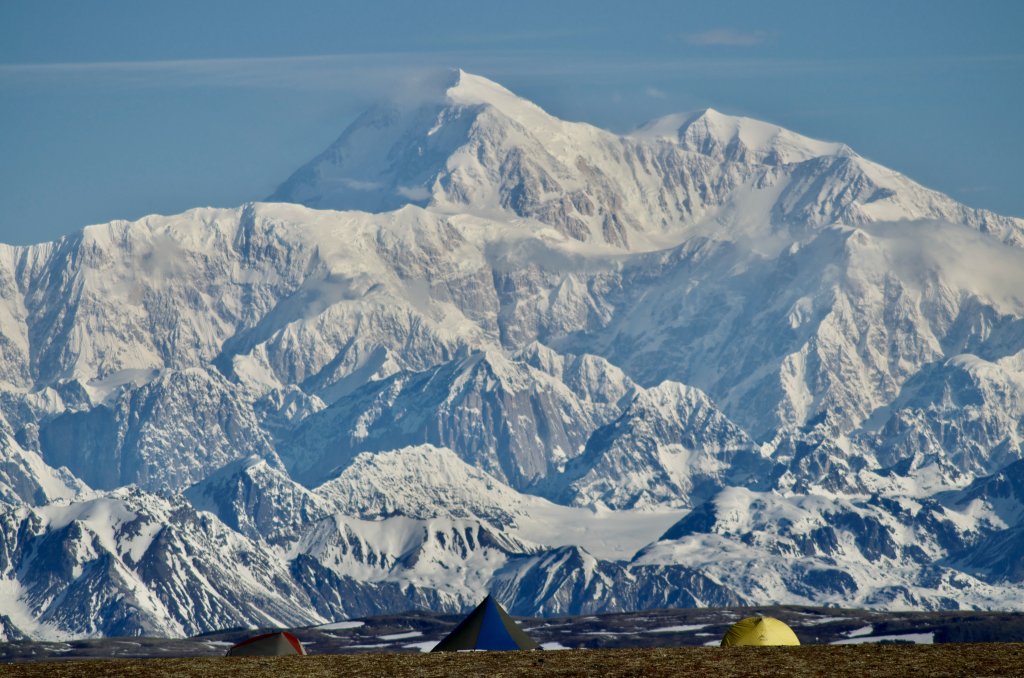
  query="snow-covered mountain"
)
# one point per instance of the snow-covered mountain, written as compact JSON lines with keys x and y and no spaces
{"x":473,"y":347}
{"x":131,"y":563}
{"x":507,"y":418}
{"x":858,"y":551}
{"x":479,"y":148}
{"x":670,"y":447}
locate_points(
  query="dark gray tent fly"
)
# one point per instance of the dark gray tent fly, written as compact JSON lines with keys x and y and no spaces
{"x":488,"y":627}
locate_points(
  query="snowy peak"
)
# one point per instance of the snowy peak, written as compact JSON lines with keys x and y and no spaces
{"x":958,"y":419}
{"x":480,"y":149}
{"x":670,"y":446}
{"x":395,"y":154}
{"x":736,"y":138}
{"x":422,"y":482}
{"x":475,"y":90}
{"x":589,"y":376}
{"x":1001,"y":493}
{"x":254,"y":497}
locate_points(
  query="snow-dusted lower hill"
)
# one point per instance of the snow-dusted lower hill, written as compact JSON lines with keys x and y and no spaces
{"x":425,"y":482}
{"x":862,"y":552}
{"x":473,"y":347}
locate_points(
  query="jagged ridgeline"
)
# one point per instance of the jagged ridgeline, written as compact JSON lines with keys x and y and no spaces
{"x":471,"y":347}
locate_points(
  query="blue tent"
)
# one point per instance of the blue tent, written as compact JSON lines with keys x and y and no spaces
{"x":488,"y":627}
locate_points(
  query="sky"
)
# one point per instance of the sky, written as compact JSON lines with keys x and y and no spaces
{"x":118,"y":109}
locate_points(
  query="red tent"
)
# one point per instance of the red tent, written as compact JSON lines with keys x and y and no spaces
{"x":267,"y":645}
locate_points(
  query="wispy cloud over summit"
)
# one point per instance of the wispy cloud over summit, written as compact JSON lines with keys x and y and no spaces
{"x":726,"y":37}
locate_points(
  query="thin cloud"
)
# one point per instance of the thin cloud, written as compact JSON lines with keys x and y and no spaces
{"x":726,"y":37}
{"x":655,"y":93}
{"x":292,"y":72}
{"x":370,"y":74}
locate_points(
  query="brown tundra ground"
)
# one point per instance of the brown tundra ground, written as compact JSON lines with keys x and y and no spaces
{"x":973,"y":660}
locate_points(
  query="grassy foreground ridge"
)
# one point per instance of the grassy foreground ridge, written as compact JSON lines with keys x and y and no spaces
{"x":864,"y":661}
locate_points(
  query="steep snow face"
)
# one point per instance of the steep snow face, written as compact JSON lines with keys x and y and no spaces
{"x":512,"y":421}
{"x":393,"y":155}
{"x":25,"y":478}
{"x":278,"y":290}
{"x":15,"y":347}
{"x":962,"y":418}
{"x":258,"y":499}
{"x":590,"y":377}
{"x":92,"y":310}
{"x":997,"y":500}
{"x":152,"y":566}
{"x":670,"y":447}
{"x":162,"y":435}
{"x":822,"y":178}
{"x":829,"y":329}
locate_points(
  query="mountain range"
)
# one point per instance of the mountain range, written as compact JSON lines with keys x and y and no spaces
{"x":471,"y":347}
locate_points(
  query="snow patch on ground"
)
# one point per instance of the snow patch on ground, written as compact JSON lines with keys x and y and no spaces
{"x":918,"y":638}
{"x":337,"y":626}
{"x":425,"y":646}
{"x":401,"y":636}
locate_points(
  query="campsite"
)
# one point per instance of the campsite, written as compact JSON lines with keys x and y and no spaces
{"x":653,"y":642}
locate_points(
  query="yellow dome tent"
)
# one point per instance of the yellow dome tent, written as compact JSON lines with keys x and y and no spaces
{"x":759,"y":631}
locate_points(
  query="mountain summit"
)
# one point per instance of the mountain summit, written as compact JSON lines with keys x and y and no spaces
{"x":479,"y":148}
{"x":737,"y":139}
{"x":394,"y":153}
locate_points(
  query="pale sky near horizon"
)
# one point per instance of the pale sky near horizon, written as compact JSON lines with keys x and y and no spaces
{"x":122,"y":108}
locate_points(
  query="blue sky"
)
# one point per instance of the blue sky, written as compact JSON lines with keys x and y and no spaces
{"x":119,"y":109}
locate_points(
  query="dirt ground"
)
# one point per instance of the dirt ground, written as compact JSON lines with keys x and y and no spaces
{"x":863,"y":661}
